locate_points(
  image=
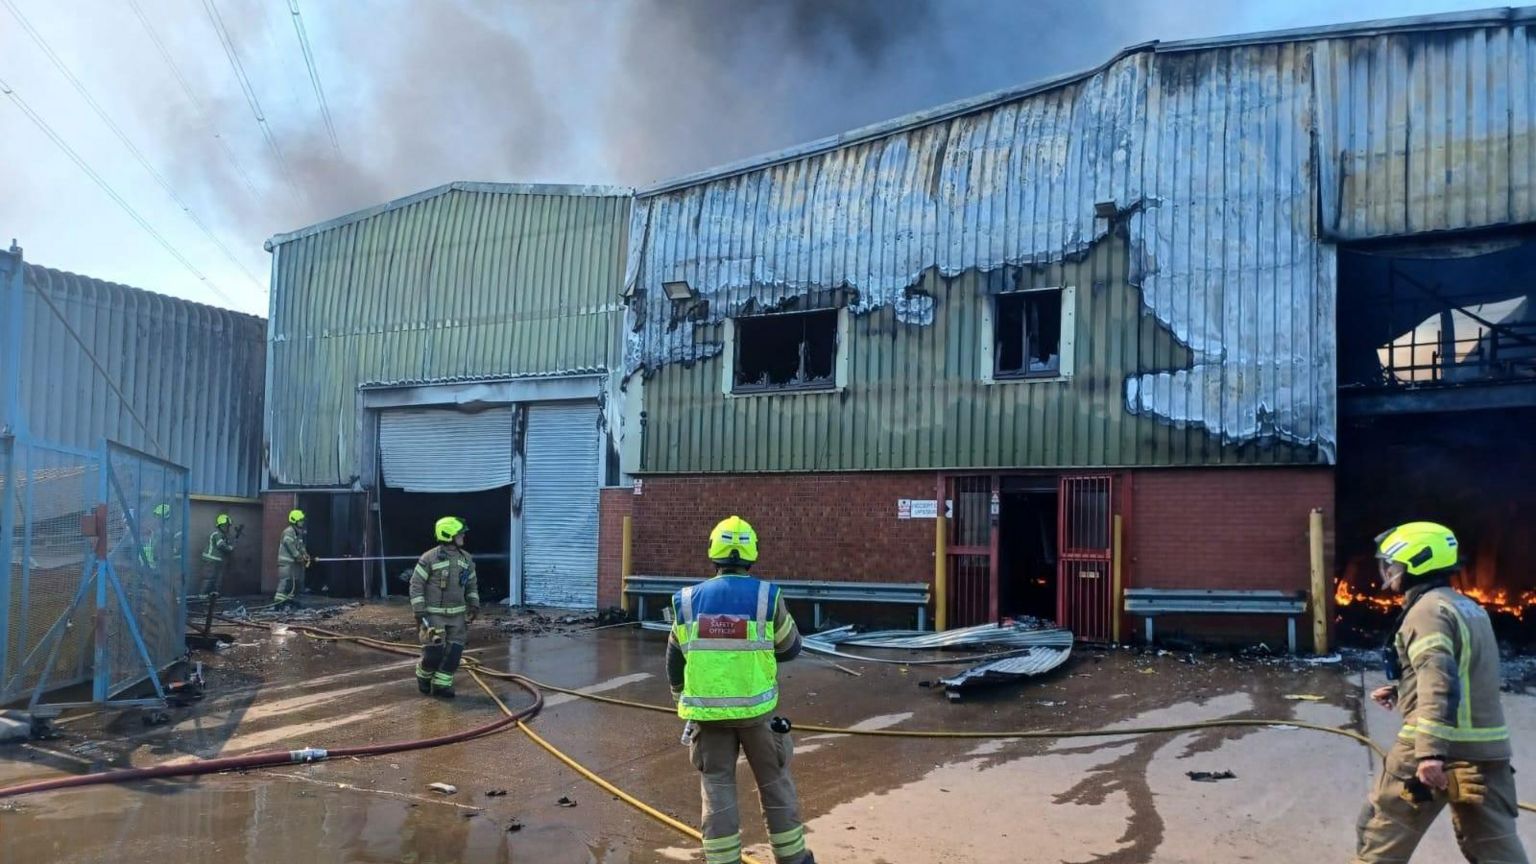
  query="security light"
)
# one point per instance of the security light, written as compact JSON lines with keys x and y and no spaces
{"x":678,"y":290}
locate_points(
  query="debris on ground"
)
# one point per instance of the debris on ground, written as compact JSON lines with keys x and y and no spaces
{"x":565,"y":801}
{"x":1210,"y":776}
{"x":514,"y":826}
{"x":1303,"y":697}
{"x":445,"y":788}
{"x":496,"y":793}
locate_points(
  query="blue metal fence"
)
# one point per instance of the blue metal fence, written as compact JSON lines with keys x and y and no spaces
{"x":94,"y":591}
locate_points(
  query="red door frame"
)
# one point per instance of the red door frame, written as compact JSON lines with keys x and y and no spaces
{"x":1085,"y":594}
{"x":1119,"y":498}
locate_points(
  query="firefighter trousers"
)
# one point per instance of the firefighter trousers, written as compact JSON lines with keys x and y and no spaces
{"x":290,"y":580}
{"x":440,"y":660}
{"x":1389,"y":828}
{"x":714,"y":752}
{"x":213,"y":576}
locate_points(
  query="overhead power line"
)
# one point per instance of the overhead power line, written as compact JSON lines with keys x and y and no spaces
{"x":314,"y":73}
{"x":106,"y":187}
{"x":59,"y":64}
{"x":197,"y":104}
{"x":250,"y":92}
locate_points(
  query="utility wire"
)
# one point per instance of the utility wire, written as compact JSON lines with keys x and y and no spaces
{"x":197,"y":104}
{"x":59,"y":64}
{"x":106,"y":187}
{"x":314,"y":73}
{"x":250,"y":92}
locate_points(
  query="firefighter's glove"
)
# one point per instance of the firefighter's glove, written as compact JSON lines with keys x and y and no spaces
{"x":474,"y":612}
{"x":1467,"y":785}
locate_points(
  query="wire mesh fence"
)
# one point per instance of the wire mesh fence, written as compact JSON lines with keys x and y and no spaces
{"x":84,"y":532}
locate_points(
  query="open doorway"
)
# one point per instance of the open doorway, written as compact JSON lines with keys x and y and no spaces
{"x":407,"y":519}
{"x":1026,"y":548}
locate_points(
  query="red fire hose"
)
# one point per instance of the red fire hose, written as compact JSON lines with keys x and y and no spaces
{"x":273,"y":758}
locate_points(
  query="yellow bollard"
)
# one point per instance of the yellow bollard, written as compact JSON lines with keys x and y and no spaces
{"x":1116,"y":611}
{"x":1320,"y":590}
{"x":625,"y":562}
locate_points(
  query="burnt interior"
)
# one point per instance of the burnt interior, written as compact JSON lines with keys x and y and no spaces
{"x":1026,"y":547}
{"x":408,"y":518}
{"x":786,"y":351}
{"x":1028,"y":334}
{"x":1437,"y":377}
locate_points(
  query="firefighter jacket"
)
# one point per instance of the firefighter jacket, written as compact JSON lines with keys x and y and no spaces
{"x":1449,"y":692}
{"x":291,"y":549}
{"x":219,"y":545}
{"x":444,"y":582}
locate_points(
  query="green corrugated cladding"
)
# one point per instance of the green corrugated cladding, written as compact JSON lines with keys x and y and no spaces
{"x":915,"y":396}
{"x":474,"y":281}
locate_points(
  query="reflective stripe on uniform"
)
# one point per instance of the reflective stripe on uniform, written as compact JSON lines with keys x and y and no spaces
{"x":722,"y":850}
{"x":1430,"y":642}
{"x":441,"y":565}
{"x":417,"y":602}
{"x":687,"y":611}
{"x":729,"y":701}
{"x":764,"y":590}
{"x":725,"y":645}
{"x":788,"y":844}
{"x":446,"y":610}
{"x":1462,"y":733}
{"x":421,"y":571}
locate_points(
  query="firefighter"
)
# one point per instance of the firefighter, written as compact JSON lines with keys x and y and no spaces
{"x":221,"y":543}
{"x":728,"y":636}
{"x":292,"y":558}
{"x":1443,"y":665}
{"x":156,"y":531}
{"x":445,"y":599}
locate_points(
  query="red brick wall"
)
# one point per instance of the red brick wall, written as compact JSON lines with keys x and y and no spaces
{"x":840,"y":527}
{"x":613,"y":505}
{"x":1241,"y":528}
{"x":274,"y":518}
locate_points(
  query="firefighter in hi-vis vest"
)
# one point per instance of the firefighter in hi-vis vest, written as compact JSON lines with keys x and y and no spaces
{"x":728,"y":635}
{"x":1454,"y":746}
{"x":221,"y":544}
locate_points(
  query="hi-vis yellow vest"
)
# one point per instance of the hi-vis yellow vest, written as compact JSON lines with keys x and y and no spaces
{"x":725,"y":629}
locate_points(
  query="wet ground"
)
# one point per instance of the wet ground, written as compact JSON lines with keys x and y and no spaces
{"x":1121,"y":800}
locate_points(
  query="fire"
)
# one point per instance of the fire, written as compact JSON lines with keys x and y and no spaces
{"x":1498,"y":600}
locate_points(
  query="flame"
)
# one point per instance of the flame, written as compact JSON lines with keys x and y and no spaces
{"x":1497,"y":600}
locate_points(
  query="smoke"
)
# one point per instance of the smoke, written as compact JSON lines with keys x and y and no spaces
{"x":592,"y":91}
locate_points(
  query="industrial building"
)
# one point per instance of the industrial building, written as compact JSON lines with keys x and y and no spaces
{"x":1127,"y":328}
{"x":457,"y":350}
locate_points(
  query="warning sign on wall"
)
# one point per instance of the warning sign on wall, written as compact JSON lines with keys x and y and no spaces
{"x":904,"y":508}
{"x":917,"y":508}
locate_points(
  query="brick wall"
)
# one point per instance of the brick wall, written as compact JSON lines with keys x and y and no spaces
{"x":274,"y":518}
{"x":613,"y":505}
{"x":841,"y":527}
{"x":1234,"y":528}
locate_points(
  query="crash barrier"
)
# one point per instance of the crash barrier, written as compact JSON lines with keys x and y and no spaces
{"x":94,"y":587}
{"x":1152,"y":602}
{"x":816,"y":592}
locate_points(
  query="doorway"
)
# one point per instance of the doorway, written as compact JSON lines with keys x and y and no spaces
{"x":406,"y":521}
{"x":1026,"y":548}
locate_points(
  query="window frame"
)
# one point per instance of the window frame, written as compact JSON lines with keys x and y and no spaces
{"x":1066,"y":346}
{"x":731,"y":352}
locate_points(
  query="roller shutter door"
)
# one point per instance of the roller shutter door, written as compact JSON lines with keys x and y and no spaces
{"x":560,"y":459}
{"x":443,"y":450}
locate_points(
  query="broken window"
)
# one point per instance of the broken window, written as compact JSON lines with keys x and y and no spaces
{"x":1028,"y":334}
{"x":786,"y":352}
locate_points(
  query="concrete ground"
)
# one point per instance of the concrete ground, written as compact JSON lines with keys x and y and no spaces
{"x":1120,"y":800}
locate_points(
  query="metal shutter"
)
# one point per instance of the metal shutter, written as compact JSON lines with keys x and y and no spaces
{"x":560,"y":505}
{"x":443,"y":450}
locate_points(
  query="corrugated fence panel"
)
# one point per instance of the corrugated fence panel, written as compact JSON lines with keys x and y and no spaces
{"x":469,"y":281}
{"x":1428,"y":131}
{"x":191,"y":375}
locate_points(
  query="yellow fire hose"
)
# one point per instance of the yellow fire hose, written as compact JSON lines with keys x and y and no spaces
{"x":475,"y":666}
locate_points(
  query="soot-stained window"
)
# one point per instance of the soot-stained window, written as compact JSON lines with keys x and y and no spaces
{"x":794,"y":351}
{"x":1028,"y":334}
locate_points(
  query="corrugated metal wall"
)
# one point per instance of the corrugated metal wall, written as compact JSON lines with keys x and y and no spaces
{"x":1209,"y":152}
{"x":192,"y":373}
{"x":461,"y":283}
{"x":1428,"y":131}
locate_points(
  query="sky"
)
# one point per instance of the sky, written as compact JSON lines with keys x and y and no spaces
{"x":159,"y":143}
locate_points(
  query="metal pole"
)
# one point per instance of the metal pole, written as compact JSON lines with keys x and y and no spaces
{"x":626,"y":561}
{"x":941,"y":570}
{"x":1319,"y":585}
{"x":1115,"y":601}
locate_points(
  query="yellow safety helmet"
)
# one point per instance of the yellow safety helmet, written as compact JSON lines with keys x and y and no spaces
{"x":733,"y":542}
{"x":1421,"y":547}
{"x":295,"y":517}
{"x":450,"y":527}
{"x":222,"y":520}
{"x":163,"y":511}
